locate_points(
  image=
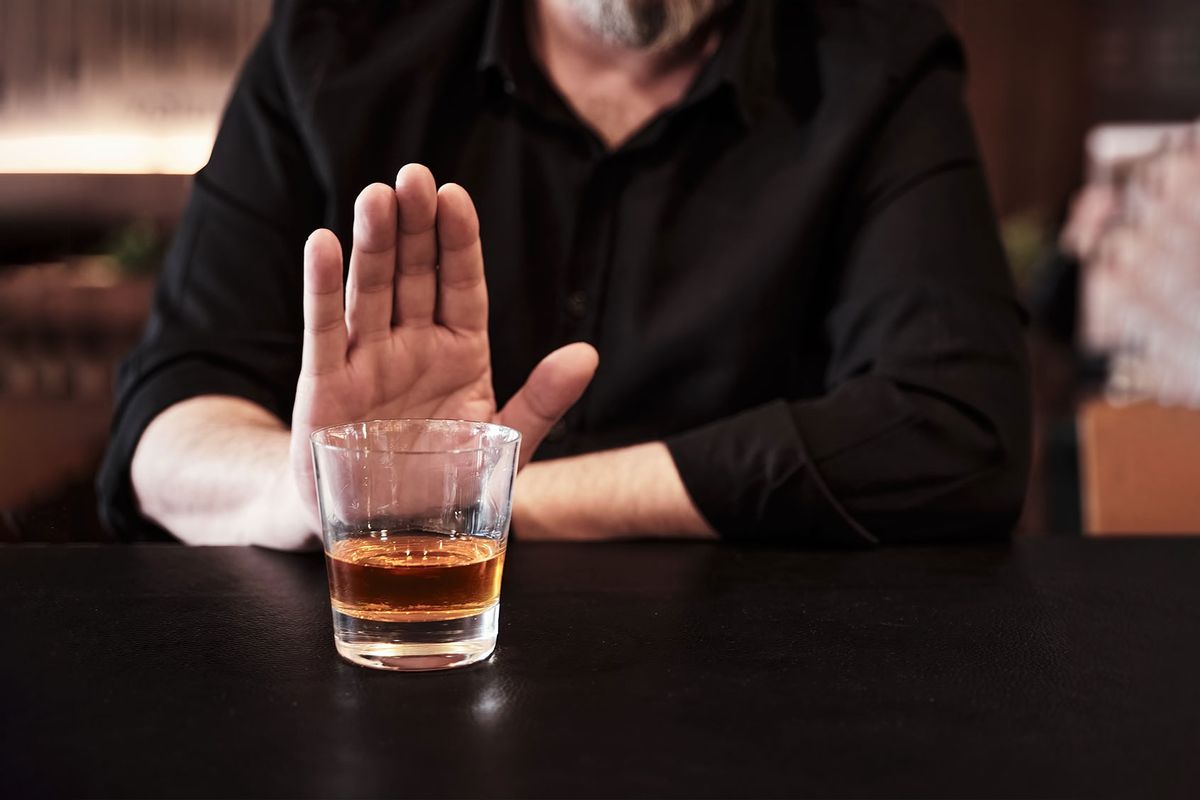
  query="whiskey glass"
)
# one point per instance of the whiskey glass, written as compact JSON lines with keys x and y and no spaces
{"x":415,"y":516}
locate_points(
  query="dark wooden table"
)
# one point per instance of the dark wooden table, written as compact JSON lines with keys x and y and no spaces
{"x":1056,"y":667}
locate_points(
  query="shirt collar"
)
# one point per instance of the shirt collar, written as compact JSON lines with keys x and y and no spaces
{"x":743,"y":66}
{"x":503,"y":25}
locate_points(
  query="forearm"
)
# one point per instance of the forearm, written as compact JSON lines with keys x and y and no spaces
{"x":215,"y":470}
{"x":626,"y":493}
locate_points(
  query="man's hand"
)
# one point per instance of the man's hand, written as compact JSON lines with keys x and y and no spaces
{"x":411,"y":338}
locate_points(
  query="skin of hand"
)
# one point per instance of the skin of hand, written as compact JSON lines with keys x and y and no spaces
{"x":407,"y":336}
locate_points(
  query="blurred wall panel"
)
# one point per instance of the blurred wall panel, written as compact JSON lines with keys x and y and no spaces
{"x":128,"y":60}
{"x":1145,"y":60}
{"x":1027,"y":64}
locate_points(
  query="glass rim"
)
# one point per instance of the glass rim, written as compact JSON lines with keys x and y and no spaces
{"x":509,"y":435}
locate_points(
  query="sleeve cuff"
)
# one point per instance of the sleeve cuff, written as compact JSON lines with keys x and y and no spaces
{"x":751,"y":478}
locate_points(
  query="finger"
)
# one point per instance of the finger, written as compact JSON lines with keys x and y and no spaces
{"x":324,"y":321}
{"x":416,"y":247}
{"x":555,"y":385}
{"x":372,"y":264}
{"x":462,"y":293}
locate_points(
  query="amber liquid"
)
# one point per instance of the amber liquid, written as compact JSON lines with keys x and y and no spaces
{"x":414,"y":576}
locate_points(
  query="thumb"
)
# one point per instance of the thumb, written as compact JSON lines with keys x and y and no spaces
{"x":553,"y":387}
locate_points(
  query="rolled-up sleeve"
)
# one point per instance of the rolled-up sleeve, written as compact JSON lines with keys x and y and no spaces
{"x":923,"y":432}
{"x":227,"y":315}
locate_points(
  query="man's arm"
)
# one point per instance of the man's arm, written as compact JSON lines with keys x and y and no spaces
{"x":923,"y":430}
{"x":215,"y":470}
{"x":625,"y":493}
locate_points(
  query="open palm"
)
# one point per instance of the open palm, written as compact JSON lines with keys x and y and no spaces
{"x":410,"y":339}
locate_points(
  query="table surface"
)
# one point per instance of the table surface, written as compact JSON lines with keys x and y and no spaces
{"x":1046,"y":667}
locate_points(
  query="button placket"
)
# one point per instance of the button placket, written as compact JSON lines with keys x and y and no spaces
{"x":589,"y":267}
{"x":577,"y":304}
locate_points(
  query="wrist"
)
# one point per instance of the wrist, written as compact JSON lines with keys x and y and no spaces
{"x":537,"y":514}
{"x":524,"y":519}
{"x":280,"y":516}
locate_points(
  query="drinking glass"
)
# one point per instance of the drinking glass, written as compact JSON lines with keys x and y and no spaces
{"x":415,"y":516}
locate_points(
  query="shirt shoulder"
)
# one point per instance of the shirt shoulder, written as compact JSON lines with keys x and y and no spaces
{"x":365,"y":16}
{"x":895,"y":40}
{"x":317,"y":40}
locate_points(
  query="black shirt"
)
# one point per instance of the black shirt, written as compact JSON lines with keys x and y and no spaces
{"x":793,"y":277}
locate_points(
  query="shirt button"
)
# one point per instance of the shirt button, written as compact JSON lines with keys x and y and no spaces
{"x":557,"y":432}
{"x":577,"y":304}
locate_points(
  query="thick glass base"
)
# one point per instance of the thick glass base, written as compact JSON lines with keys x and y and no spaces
{"x":416,"y":646}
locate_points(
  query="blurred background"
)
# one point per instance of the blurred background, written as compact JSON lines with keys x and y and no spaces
{"x":1085,"y":111}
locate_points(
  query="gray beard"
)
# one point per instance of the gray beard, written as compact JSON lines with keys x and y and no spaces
{"x":645,"y":24}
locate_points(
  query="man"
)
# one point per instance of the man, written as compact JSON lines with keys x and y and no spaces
{"x":768,"y":218}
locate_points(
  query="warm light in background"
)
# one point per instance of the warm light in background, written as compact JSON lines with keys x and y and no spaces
{"x":181,"y":151}
{"x":117,"y":87}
